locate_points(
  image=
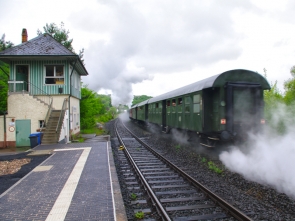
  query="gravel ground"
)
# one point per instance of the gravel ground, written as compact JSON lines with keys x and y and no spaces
{"x":6,"y":181}
{"x":258,"y":201}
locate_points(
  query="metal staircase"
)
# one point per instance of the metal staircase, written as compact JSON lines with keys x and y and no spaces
{"x":53,"y":127}
{"x":54,"y":124}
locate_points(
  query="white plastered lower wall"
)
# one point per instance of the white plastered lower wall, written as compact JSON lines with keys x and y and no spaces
{"x":10,"y":129}
{"x":24,"y":106}
{"x":75,"y":115}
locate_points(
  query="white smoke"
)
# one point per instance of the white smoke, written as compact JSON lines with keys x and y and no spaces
{"x":267,"y":158}
{"x":180,"y":136}
{"x":130,"y":42}
{"x":124,"y":116}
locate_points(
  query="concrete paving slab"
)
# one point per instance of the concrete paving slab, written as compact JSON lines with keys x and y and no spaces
{"x":40,"y":152}
{"x":68,"y":186}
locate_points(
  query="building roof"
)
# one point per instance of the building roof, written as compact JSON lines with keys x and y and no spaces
{"x":43,"y":46}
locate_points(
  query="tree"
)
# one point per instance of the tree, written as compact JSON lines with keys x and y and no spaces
{"x":58,"y":33}
{"x":113,"y":112}
{"x":4,"y":70}
{"x":140,"y":98}
{"x":5,"y":44}
{"x":4,"y":74}
{"x":273,"y":102}
{"x":62,"y":36}
{"x":106,"y":100}
{"x":90,"y":107}
{"x":289,"y":86}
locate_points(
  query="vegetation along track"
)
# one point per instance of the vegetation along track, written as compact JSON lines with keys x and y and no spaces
{"x":174,"y":194}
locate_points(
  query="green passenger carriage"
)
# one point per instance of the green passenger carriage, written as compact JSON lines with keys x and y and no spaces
{"x":222,"y":107}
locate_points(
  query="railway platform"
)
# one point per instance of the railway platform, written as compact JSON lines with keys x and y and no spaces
{"x":78,"y":181}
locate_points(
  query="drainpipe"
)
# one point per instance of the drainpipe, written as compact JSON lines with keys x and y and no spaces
{"x":70,"y":96}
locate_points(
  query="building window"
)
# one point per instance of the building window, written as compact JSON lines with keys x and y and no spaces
{"x":41,"y":123}
{"x":54,"y":74}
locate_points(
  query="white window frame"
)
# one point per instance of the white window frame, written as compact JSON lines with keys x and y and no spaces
{"x":59,"y":79}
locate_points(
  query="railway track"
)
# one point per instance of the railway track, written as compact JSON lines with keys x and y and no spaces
{"x":172,"y":193}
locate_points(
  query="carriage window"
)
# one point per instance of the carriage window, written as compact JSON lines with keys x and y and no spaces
{"x":157,"y":105}
{"x":168,"y":106}
{"x":196,"y":108}
{"x":197,"y":103}
{"x":173,"y":102}
{"x":197,"y":98}
{"x":187,"y":102}
{"x":179,"y":102}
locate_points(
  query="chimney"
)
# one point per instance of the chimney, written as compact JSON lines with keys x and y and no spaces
{"x":24,"y":35}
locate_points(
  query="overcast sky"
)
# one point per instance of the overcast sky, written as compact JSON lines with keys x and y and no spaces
{"x":151,"y":47}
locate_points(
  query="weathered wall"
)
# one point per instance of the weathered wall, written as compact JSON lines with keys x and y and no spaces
{"x":10,"y":132}
{"x":75,"y":115}
{"x":24,"y":106}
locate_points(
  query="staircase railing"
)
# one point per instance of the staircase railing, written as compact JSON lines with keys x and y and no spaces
{"x":44,"y":123}
{"x":61,"y":115}
{"x":27,"y":87}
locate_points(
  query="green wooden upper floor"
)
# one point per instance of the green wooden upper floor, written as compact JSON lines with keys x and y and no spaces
{"x":44,"y":66}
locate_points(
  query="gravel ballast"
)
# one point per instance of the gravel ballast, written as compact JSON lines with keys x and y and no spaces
{"x":258,"y":201}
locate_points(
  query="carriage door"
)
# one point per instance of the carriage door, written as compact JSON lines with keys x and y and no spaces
{"x":146,"y":112}
{"x":197,"y":112}
{"x":22,"y":74}
{"x":211,"y":109}
{"x":244,"y":108}
{"x":163,"y":115}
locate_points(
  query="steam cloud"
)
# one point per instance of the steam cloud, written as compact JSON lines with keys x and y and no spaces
{"x":268,"y":158}
{"x":134,"y":41}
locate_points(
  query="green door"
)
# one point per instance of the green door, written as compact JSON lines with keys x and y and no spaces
{"x":211,"y":110}
{"x":23,"y":131}
{"x":246,"y":111}
{"x":187,"y":113}
{"x":197,"y":112}
{"x":22,"y":74}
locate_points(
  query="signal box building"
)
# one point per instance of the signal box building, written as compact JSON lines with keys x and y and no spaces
{"x":44,"y":92}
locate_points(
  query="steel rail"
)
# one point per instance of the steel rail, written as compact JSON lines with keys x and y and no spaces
{"x":239,"y":215}
{"x":156,"y":201}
